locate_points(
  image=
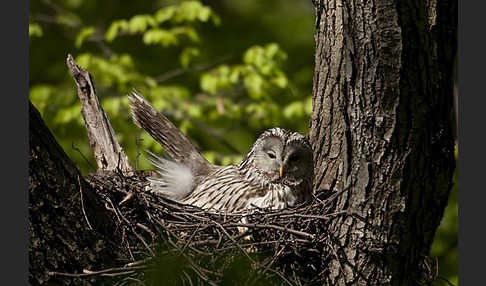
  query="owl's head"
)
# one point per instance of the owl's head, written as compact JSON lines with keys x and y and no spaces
{"x":282,"y":156}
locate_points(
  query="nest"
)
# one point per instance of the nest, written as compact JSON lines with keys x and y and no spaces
{"x":184,"y":245}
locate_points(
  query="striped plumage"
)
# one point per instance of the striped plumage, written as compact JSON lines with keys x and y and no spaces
{"x":276,"y":173}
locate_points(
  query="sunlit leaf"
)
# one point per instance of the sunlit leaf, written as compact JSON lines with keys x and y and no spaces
{"x":308,"y":105}
{"x":187,"y":55}
{"x":294,"y":110}
{"x":68,"y":19}
{"x":165,"y":14}
{"x":66,"y":115}
{"x":280,"y":80}
{"x":83,"y":35}
{"x":140,"y":23}
{"x":35,"y":30}
{"x":254,"y":84}
{"x":159,"y":36}
{"x":112,"y":32}
{"x":209,"y":83}
{"x":187,"y":31}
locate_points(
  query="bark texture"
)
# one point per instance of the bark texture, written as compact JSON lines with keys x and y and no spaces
{"x":68,"y":226}
{"x":381,"y":130}
{"x":108,"y":153}
{"x":383,"y":151}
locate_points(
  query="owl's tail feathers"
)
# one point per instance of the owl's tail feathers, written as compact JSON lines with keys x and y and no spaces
{"x":175,"y":180}
{"x":175,"y":143}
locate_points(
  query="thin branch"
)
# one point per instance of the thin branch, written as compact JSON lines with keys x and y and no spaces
{"x":82,"y":203}
{"x":199,"y":67}
{"x":82,"y":155}
{"x":112,"y":271}
{"x":293,"y":231}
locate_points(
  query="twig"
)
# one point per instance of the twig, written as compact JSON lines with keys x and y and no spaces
{"x":82,"y":204}
{"x":120,"y":270}
{"x":445,"y":280}
{"x":180,"y":71}
{"x":293,"y":231}
{"x":82,"y":155}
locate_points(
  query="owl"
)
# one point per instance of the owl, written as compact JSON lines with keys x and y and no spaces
{"x":276,"y":173}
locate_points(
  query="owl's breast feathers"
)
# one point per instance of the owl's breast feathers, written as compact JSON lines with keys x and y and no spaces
{"x":228,"y":189}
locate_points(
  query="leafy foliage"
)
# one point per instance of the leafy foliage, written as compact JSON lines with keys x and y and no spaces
{"x":232,"y":104}
{"x":223,"y":72}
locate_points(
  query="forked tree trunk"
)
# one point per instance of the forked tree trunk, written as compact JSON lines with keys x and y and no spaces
{"x":382,"y":137}
{"x":381,"y":131}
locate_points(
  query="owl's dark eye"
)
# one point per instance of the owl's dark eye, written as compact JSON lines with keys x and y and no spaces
{"x":271,"y":155}
{"x":294,"y":158}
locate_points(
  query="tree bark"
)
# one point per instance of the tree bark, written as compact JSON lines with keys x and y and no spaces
{"x":383,"y":147}
{"x":108,"y":153}
{"x":68,"y":226}
{"x":381,"y":131}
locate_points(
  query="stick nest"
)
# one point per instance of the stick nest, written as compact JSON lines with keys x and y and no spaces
{"x":165,"y":241}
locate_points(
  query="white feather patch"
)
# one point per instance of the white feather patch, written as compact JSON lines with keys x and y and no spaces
{"x":176,"y":180}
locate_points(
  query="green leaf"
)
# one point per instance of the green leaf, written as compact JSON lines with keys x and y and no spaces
{"x":165,"y":14}
{"x":188,"y":11}
{"x":112,"y":105}
{"x":195,"y":111}
{"x":294,"y":110}
{"x":140,"y":23}
{"x":280,"y":80}
{"x":125,"y":60}
{"x":235,"y":74}
{"x":209,"y":83}
{"x":118,"y":70}
{"x":273,"y":51}
{"x":68,"y":19}
{"x":203,"y":14}
{"x":35,"y":30}
{"x":185,"y":126}
{"x":187,"y":31}
{"x":216,"y":19}
{"x":267,"y":59}
{"x":40,"y":96}
{"x":210,"y":156}
{"x":73,"y":3}
{"x":68,"y":114}
{"x":172,"y":92}
{"x":308,"y":105}
{"x":254,"y":84}
{"x":187,"y":55}
{"x":84,"y":60}
{"x":112,"y":32}
{"x":150,"y":82}
{"x":160,"y":36}
{"x":226,"y":160}
{"x":83,"y":35}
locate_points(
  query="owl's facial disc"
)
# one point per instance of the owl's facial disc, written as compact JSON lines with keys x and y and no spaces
{"x":297,"y":164}
{"x":268,"y":158}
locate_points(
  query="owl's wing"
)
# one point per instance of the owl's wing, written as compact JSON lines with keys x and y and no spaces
{"x":175,"y":143}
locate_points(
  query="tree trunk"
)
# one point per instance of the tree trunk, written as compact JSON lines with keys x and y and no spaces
{"x":381,"y":131}
{"x":68,"y":225}
{"x":383,"y":147}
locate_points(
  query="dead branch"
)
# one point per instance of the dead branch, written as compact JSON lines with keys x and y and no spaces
{"x":107,"y":151}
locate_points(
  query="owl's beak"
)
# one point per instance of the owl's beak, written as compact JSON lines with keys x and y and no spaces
{"x":281,"y":171}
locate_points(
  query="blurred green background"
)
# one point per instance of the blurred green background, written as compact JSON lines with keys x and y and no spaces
{"x":223,"y":71}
